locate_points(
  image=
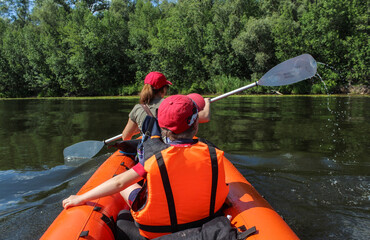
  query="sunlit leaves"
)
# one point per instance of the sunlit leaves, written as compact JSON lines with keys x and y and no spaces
{"x":70,"y":47}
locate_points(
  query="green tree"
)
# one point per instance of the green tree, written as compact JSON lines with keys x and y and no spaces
{"x":16,"y":10}
{"x":255,"y":44}
{"x":50,"y":56}
{"x":286,"y":32}
{"x":97,"y":48}
{"x":357,"y":44}
{"x":142,"y":28}
{"x":4,"y":71}
{"x":15,"y":83}
{"x":100,"y":47}
{"x":324,"y":29}
{"x":228,"y":20}
{"x":177,"y":47}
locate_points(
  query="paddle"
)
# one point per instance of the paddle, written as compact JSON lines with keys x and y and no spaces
{"x":87,"y":149}
{"x":291,"y":71}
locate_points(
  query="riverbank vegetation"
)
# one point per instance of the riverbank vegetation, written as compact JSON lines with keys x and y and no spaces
{"x":95,"y":48}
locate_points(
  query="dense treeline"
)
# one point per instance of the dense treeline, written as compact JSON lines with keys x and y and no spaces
{"x":92,"y":47}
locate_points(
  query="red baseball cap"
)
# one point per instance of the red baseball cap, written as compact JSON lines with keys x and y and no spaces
{"x":156,"y":80}
{"x":198,"y":99}
{"x":177,"y":113}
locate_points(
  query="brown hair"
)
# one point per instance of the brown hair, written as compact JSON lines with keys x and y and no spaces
{"x":148,"y":93}
{"x":187,"y":134}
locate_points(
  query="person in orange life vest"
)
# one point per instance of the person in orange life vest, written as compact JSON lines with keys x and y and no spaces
{"x":185,"y":178}
{"x":203,"y":104}
{"x":152,"y":94}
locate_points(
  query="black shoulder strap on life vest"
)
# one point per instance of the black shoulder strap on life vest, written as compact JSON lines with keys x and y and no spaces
{"x":168,"y":191}
{"x":212,"y":151}
{"x":174,"y":227}
{"x":213,"y":154}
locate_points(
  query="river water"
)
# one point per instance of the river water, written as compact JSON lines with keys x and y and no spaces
{"x":308,"y":156}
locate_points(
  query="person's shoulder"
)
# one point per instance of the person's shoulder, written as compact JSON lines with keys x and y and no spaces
{"x":135,"y":112}
{"x":136,"y":107}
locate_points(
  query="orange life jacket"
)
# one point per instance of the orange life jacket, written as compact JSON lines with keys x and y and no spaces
{"x":185,"y":188}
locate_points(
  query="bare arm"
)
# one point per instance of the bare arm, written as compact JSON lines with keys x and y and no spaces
{"x":130,"y":130}
{"x":205,"y":114}
{"x":109,"y":187}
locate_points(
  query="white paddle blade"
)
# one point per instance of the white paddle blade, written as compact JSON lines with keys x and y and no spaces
{"x":85,"y":149}
{"x":291,"y":71}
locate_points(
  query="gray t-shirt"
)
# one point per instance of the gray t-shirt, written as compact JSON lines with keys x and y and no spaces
{"x":138,"y":114}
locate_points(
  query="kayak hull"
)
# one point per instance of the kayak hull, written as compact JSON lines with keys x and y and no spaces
{"x":96,"y":220}
{"x":250,"y":209}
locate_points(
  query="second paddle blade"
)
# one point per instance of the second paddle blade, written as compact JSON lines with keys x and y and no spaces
{"x":85,"y":149}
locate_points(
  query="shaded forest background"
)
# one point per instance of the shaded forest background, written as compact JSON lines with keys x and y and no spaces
{"x":94,"y":48}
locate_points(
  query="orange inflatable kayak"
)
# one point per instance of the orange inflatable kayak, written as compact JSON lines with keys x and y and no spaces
{"x":95,"y":220}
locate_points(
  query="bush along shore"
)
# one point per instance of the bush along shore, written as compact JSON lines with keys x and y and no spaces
{"x":105,"y":48}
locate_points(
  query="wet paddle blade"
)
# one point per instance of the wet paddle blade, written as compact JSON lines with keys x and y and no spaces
{"x":85,"y":149}
{"x":291,"y":71}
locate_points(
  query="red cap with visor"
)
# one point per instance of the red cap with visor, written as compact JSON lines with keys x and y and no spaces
{"x":198,"y":99}
{"x":156,"y":80}
{"x":177,"y":113}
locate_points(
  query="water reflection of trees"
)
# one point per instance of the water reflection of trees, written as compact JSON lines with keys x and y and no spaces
{"x":35,"y":132}
{"x":291,"y":124}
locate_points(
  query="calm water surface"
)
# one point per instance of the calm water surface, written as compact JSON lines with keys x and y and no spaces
{"x":308,"y":156}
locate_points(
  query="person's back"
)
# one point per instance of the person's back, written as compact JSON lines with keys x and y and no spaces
{"x":138,"y":113}
{"x":185,"y":177}
{"x":154,"y":89}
